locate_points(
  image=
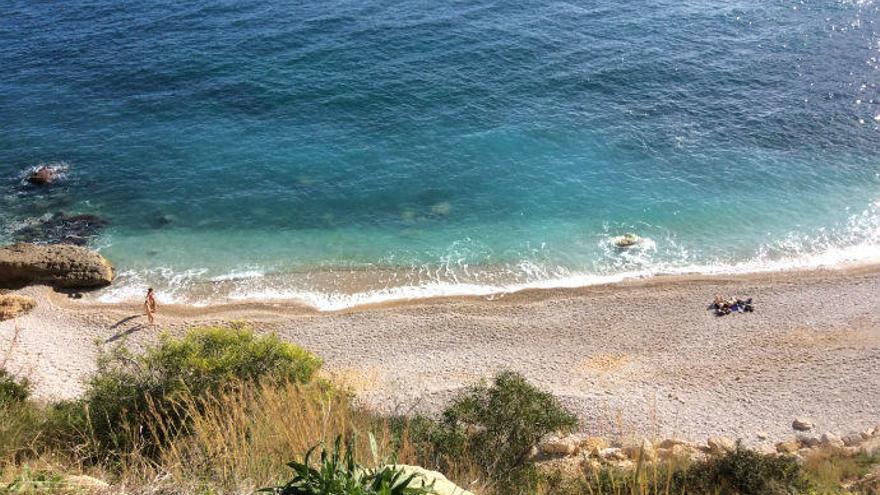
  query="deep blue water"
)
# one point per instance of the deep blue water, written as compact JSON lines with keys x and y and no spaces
{"x":267,"y":148}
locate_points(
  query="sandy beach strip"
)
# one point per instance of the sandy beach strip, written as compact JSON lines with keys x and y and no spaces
{"x":641,"y":357}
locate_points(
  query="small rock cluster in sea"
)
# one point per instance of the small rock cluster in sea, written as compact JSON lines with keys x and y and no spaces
{"x":55,"y":227}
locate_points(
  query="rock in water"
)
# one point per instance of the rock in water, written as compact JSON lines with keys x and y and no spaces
{"x":627,"y":240}
{"x":60,"y":265}
{"x":42,"y":176}
{"x":63,"y":229}
{"x":13,"y":305}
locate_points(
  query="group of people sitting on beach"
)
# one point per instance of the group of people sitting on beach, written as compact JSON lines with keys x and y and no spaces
{"x":723,"y":306}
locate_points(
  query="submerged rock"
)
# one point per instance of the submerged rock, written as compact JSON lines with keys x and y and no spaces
{"x":14,"y":305}
{"x":61,"y":228}
{"x":60,"y":265}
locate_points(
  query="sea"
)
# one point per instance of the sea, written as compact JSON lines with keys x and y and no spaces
{"x":340,"y":153}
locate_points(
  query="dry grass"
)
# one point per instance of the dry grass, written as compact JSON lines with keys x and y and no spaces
{"x":831,"y":468}
{"x":242,"y":439}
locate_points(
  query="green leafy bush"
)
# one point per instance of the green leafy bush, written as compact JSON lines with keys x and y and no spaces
{"x":20,"y":421}
{"x":495,"y":428}
{"x":13,"y":389}
{"x":746,"y":472}
{"x":29,"y":482}
{"x":337,"y":473}
{"x":128,"y":392}
{"x":740,"y":472}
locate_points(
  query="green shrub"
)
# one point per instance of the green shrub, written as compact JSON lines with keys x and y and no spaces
{"x":740,"y":472}
{"x":20,"y":426}
{"x":20,"y":421}
{"x":337,"y":473}
{"x":13,"y":389}
{"x":28,"y":482}
{"x":130,"y":393}
{"x":494,"y":428}
{"x":746,"y":472}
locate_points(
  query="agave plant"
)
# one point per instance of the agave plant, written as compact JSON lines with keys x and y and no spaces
{"x":337,"y":473}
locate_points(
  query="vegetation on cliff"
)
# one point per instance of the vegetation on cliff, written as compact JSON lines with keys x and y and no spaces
{"x":227,"y":410}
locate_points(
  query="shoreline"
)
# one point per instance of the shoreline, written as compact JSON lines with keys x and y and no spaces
{"x":641,"y":356}
{"x":296,"y":306}
{"x":330,"y":289}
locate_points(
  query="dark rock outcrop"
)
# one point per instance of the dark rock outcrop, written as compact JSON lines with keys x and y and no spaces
{"x":42,"y":176}
{"x":63,"y":229}
{"x":59,"y":265}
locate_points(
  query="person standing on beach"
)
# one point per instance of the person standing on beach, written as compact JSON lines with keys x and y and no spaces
{"x":150,"y":306}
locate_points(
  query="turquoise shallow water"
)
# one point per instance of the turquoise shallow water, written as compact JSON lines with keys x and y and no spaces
{"x":350,"y":152}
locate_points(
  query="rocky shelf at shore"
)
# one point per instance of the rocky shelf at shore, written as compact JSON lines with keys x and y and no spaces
{"x":60,"y":265}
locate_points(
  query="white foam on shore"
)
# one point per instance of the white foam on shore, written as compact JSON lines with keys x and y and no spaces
{"x":858,"y":243}
{"x":338,"y":301}
{"x":238,"y":275}
{"x":335,"y":301}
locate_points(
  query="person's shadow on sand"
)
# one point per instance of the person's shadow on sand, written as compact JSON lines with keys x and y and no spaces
{"x":126,"y":332}
{"x":123,"y":322}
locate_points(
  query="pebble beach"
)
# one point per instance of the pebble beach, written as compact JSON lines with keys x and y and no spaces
{"x":641,"y":357}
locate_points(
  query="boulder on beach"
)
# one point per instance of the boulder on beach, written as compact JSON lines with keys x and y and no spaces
{"x":554,"y":446}
{"x":802,"y":424}
{"x":14,"y":305}
{"x":787,"y":447}
{"x":59,"y":265}
{"x":425,"y":477}
{"x":720,"y":445}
